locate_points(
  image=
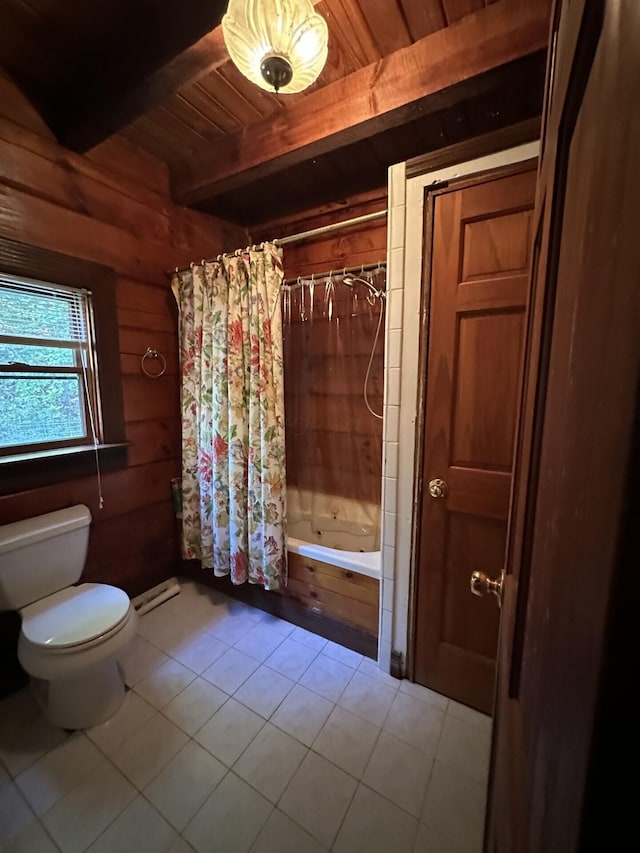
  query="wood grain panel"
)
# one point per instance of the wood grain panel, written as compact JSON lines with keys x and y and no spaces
{"x":483,"y":436}
{"x":496,"y":244}
{"x":95,"y":209}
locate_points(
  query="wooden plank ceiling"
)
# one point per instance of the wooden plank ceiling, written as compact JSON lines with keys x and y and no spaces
{"x":402,"y":77}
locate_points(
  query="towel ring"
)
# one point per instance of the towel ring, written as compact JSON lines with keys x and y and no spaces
{"x":153,"y":353}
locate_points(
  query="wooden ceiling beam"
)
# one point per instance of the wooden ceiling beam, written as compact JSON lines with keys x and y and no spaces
{"x":433,"y":73}
{"x":173,"y":44}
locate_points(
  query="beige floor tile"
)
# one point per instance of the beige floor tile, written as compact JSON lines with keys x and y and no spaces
{"x":327,"y":678}
{"x":270,"y":761}
{"x":165,"y":683}
{"x":197,"y":703}
{"x":230,"y":731}
{"x":417,"y":691}
{"x":58,"y":772}
{"x":230,"y":820}
{"x":368,"y":698}
{"x":415,"y":722}
{"x":466,"y":747}
{"x":399,"y":772}
{"x":130,"y":717}
{"x":142,"y":756}
{"x":282,"y":835}
{"x":302,"y":714}
{"x":260,"y":641}
{"x":78,"y":818}
{"x":347,"y":741}
{"x":138,"y":828}
{"x":318,"y":797}
{"x":230,"y":671}
{"x":15,"y":815}
{"x":291,"y":659}
{"x":264,"y":691}
{"x":375,"y":825}
{"x":184,"y":784}
{"x":454,"y":807}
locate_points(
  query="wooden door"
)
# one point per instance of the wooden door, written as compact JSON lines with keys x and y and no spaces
{"x":478,"y":301}
{"x":567,"y":653}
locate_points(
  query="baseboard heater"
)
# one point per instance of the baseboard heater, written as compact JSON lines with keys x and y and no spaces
{"x":155,"y":596}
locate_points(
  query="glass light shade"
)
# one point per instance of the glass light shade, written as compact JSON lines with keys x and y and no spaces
{"x":260,"y":34}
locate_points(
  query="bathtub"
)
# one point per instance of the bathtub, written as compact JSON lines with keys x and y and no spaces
{"x":349,"y":546}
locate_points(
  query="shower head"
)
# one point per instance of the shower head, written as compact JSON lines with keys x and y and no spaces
{"x":350,"y":280}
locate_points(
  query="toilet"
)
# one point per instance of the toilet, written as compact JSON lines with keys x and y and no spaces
{"x":71,"y":636}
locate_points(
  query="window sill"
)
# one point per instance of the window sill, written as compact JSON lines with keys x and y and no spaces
{"x":43,"y":468}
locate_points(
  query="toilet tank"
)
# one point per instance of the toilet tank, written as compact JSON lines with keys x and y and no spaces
{"x":39,"y":556}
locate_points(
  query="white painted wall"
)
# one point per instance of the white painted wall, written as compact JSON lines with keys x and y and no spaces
{"x":402,"y":341}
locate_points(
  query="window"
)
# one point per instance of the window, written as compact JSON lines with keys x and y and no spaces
{"x":59,"y":368}
{"x":48,"y":379}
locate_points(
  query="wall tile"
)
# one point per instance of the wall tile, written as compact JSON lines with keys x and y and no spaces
{"x":387,"y":594}
{"x":389,"y":528}
{"x":393,"y":354}
{"x":390,"y":489}
{"x":391,"y":459}
{"x":391,"y":422}
{"x":395,"y":303}
{"x":388,"y":561}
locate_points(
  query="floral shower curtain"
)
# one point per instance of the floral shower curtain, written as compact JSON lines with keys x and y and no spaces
{"x":233,"y":451}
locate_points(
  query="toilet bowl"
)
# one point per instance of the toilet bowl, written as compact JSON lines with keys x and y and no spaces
{"x":71,"y":636}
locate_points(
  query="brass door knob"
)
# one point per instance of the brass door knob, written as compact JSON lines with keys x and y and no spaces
{"x":438,"y":488}
{"x":482,"y":584}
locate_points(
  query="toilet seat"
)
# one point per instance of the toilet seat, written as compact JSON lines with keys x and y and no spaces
{"x":75,"y":617}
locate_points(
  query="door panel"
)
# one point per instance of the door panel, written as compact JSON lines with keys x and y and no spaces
{"x":479,"y":275}
{"x":565,"y":633}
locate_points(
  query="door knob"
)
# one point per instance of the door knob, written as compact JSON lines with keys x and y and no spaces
{"x":438,"y":488}
{"x":482,"y":584}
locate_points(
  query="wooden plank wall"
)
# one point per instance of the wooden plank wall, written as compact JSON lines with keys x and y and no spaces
{"x":334,"y":445}
{"x":112,"y":207}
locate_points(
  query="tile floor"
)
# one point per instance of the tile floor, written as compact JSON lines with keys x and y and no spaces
{"x":242,"y":733}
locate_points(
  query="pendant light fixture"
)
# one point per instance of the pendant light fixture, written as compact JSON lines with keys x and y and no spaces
{"x":279,"y":45}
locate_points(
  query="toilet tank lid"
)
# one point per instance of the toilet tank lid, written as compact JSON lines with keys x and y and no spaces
{"x":19,"y":534}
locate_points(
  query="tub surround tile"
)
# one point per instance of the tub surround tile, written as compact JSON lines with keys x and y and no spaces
{"x":138,"y":828}
{"x":318,"y":797}
{"x":58,"y":772}
{"x":395,"y":347}
{"x":393,"y":390}
{"x":282,"y":835}
{"x":390,"y":486}
{"x":387,"y":594}
{"x":347,"y":741}
{"x":389,"y":528}
{"x":78,"y":818}
{"x":302,"y":714}
{"x":197,"y":703}
{"x":391,"y":422}
{"x":375,"y":825}
{"x":388,"y":561}
{"x":184,"y":784}
{"x":396,"y":269}
{"x":229,"y":731}
{"x":231,"y":819}
{"x":395,"y":303}
{"x":270,"y":761}
{"x":291,"y":658}
{"x":396,"y":227}
{"x":384,"y":656}
{"x":264,"y":691}
{"x":386,"y":626}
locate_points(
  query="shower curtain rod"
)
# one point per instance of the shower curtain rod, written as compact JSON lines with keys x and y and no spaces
{"x":304,"y":235}
{"x":361,"y":268}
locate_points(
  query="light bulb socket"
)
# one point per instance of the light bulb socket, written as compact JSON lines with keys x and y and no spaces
{"x":276,"y":70}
